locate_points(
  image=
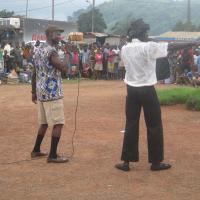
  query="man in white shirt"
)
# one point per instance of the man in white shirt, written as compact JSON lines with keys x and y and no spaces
{"x":139,"y":57}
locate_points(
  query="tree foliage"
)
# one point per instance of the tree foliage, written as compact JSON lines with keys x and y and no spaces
{"x":85,"y":21}
{"x":121,"y":27}
{"x":75,"y":15}
{"x":161,"y":15}
{"x":6,"y":14}
{"x":187,"y":26}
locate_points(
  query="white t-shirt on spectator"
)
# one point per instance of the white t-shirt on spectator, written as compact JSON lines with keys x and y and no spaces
{"x":8,"y":48}
{"x":195,"y":59}
{"x":140,"y":62}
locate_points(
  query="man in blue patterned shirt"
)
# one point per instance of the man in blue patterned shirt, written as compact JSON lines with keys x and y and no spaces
{"x":48,"y":93}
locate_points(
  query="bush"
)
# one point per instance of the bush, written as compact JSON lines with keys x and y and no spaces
{"x":183,"y":95}
{"x":193,"y":102}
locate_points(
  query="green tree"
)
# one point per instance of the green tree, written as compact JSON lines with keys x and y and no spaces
{"x":161,"y":15}
{"x":85,"y":22}
{"x":76,"y":15}
{"x":5,"y":14}
{"x":121,"y":27}
{"x":179,"y":26}
{"x":187,"y":26}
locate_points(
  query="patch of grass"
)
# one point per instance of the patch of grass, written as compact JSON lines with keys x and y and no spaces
{"x":182,"y":95}
{"x":193,"y":102}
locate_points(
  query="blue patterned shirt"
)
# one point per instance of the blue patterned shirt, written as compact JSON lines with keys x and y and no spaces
{"x":48,"y":78}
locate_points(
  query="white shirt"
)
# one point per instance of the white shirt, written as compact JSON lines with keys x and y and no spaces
{"x":140,"y":62}
{"x":195,"y":59}
{"x":8,"y":49}
{"x":85,"y":57}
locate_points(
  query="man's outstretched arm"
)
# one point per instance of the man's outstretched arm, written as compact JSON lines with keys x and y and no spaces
{"x":182,"y":45}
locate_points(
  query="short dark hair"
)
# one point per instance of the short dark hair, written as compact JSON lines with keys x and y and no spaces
{"x":137,"y":29}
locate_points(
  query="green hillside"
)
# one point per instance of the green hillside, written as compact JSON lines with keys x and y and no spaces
{"x":162,"y":15}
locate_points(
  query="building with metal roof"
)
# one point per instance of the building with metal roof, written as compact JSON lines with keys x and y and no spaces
{"x":178,"y":36}
{"x":28,"y":29}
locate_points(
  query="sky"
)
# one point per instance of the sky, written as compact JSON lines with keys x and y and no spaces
{"x":42,"y":9}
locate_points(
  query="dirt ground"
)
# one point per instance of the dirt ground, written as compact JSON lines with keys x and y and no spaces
{"x":91,"y":175}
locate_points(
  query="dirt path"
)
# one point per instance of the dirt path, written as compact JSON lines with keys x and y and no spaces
{"x":91,"y":175}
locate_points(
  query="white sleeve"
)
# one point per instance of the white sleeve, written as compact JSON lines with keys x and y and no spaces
{"x":122,"y":53}
{"x":157,"y":50}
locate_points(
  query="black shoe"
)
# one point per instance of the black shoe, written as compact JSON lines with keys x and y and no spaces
{"x":160,"y":166}
{"x":123,"y":166}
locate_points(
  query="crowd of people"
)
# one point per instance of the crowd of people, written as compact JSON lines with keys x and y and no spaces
{"x":99,"y":61}
{"x":17,"y":58}
{"x":87,"y":61}
{"x":92,"y":61}
{"x":185,"y":66}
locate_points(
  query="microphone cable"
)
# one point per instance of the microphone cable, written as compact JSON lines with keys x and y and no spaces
{"x":75,"y":115}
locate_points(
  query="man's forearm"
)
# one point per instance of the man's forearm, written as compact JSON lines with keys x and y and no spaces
{"x":176,"y":46}
{"x":33,"y":82}
{"x":62,"y":67}
{"x":58,"y":64}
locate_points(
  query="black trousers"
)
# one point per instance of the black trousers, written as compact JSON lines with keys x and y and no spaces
{"x":146,"y":98}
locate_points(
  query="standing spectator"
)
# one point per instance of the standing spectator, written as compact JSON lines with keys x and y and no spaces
{"x":195,"y":57}
{"x":98,"y":64}
{"x":18,"y":59}
{"x":6,"y":58}
{"x":116,"y":52}
{"x":74,"y":61}
{"x":111,"y":64}
{"x":105,"y":59}
{"x":85,"y":61}
{"x":187,"y":60}
{"x":92,"y":57}
{"x":81,"y":49}
{"x":198,"y":64}
{"x":121,"y":68}
{"x":1,"y":61}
